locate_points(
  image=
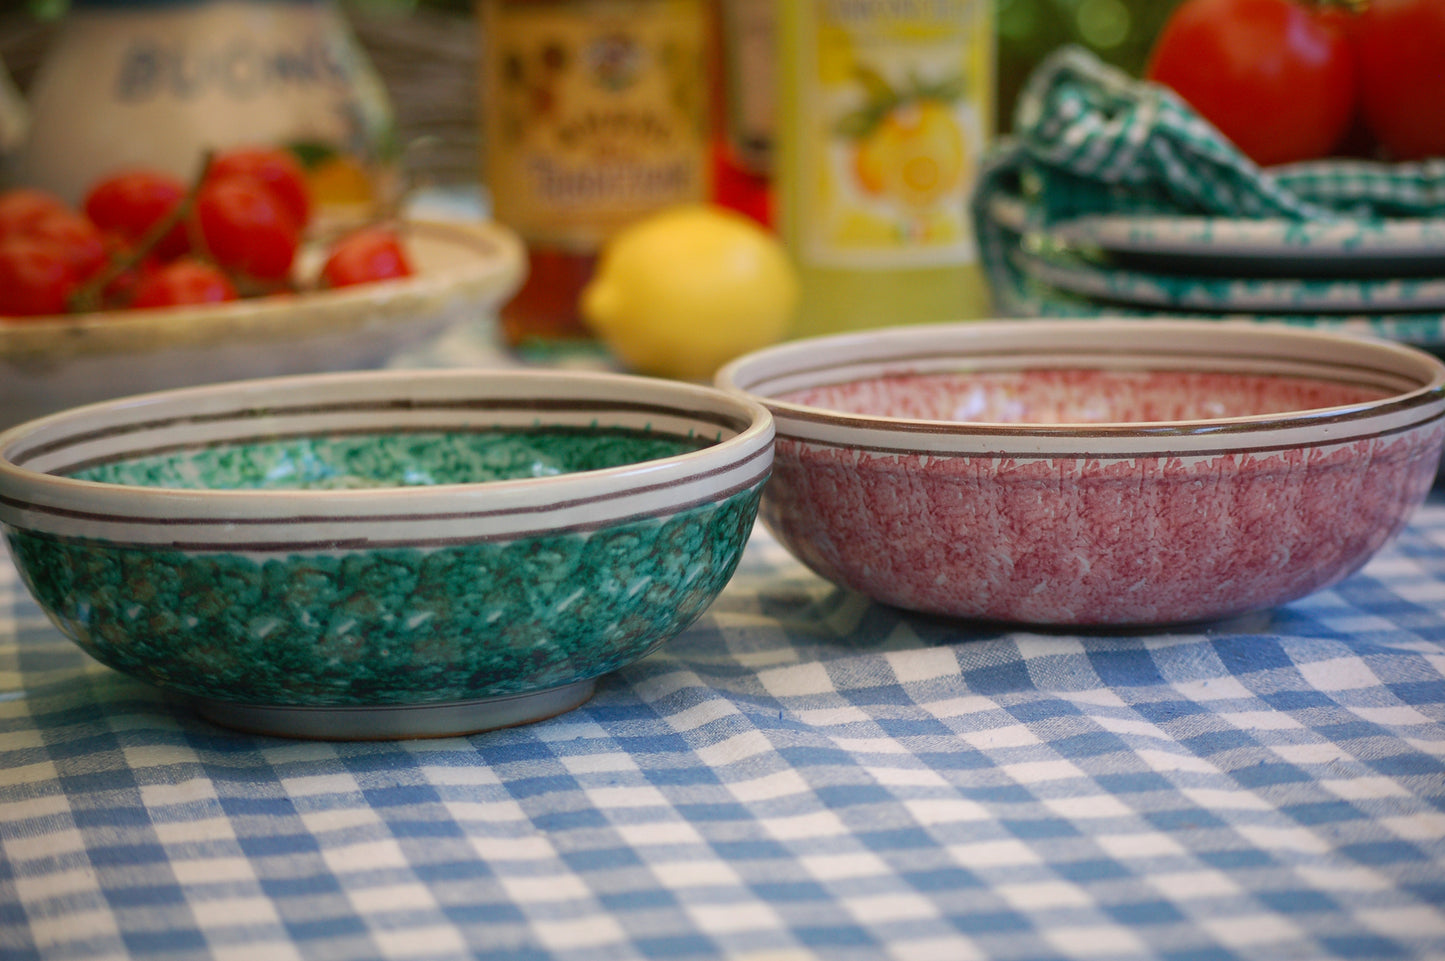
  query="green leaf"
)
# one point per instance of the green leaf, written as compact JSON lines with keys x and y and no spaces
{"x":857,"y":124}
{"x":948,"y":89}
{"x":877,"y":86}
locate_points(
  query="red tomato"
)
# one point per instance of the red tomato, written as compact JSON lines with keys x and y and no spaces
{"x":246,"y":228}
{"x":81,"y":241}
{"x":276,"y":168}
{"x":1401,"y":46}
{"x":371,"y":254}
{"x":35,"y":278}
{"x":1275,"y":77}
{"x":183,"y":281}
{"x":121,"y":286}
{"x":22,"y":207}
{"x":130,"y":203}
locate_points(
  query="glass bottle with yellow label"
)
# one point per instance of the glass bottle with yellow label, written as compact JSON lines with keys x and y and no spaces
{"x":595,"y":113}
{"x":885,"y":109}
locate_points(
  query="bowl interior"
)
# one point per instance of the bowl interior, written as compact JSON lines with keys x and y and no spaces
{"x":381,"y":429}
{"x":380,"y":459}
{"x":1080,"y":396}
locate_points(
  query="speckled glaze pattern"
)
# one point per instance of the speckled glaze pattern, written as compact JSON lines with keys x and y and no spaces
{"x":394,"y":626}
{"x":1094,"y":541}
{"x":385,"y":553}
{"x":1093,"y":473}
{"x":406,"y":459}
{"x":1079,"y":396}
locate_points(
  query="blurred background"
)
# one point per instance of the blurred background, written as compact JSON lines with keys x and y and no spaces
{"x":426,"y":52}
{"x":1119,"y":31}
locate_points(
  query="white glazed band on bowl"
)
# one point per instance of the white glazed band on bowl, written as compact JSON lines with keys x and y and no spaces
{"x":1080,"y":521}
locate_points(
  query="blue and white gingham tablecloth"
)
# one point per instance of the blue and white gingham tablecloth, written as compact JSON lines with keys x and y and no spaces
{"x":801,"y":775}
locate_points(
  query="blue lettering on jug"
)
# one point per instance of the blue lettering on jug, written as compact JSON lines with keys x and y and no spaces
{"x":241,"y":70}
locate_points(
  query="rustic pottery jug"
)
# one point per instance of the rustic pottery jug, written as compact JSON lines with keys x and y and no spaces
{"x":157,"y":83}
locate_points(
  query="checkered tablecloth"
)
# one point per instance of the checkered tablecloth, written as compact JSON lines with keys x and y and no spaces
{"x":800,"y":775}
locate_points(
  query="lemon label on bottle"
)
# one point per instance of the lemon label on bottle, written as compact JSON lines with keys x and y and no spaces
{"x":896,"y":94}
{"x":595,"y":113}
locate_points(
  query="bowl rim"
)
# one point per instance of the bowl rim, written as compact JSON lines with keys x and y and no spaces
{"x":811,"y":359}
{"x":748,"y":450}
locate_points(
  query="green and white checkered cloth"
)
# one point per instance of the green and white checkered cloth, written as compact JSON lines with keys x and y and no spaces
{"x":1090,"y":139}
{"x":1100,"y":141}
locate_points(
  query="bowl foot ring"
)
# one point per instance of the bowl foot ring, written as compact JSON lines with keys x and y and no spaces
{"x":395,"y":721}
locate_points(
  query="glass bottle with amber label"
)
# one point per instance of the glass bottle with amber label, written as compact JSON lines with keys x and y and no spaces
{"x":594,"y":114}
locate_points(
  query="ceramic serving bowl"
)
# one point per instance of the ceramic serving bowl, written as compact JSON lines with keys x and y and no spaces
{"x":462,"y":270}
{"x":1093,"y":472}
{"x":384,"y":553}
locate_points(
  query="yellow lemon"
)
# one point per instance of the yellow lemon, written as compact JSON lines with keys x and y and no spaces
{"x":683,"y":291}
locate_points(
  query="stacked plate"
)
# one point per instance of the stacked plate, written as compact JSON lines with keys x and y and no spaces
{"x":1383,"y":277}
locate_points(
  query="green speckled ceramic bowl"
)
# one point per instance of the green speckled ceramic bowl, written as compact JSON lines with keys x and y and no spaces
{"x":384,"y":554}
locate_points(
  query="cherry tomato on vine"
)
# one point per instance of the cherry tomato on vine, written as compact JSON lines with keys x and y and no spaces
{"x":368,"y":255}
{"x":184,"y":281}
{"x":130,"y":203}
{"x":22,"y":207}
{"x":1276,"y":77}
{"x":1401,"y":45}
{"x":120,"y":289}
{"x":35,"y":278}
{"x":246,"y":227}
{"x":79,"y":240}
{"x":278,"y":169}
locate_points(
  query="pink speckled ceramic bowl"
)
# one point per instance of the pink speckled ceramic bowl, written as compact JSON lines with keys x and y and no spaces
{"x":1093,"y":472}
